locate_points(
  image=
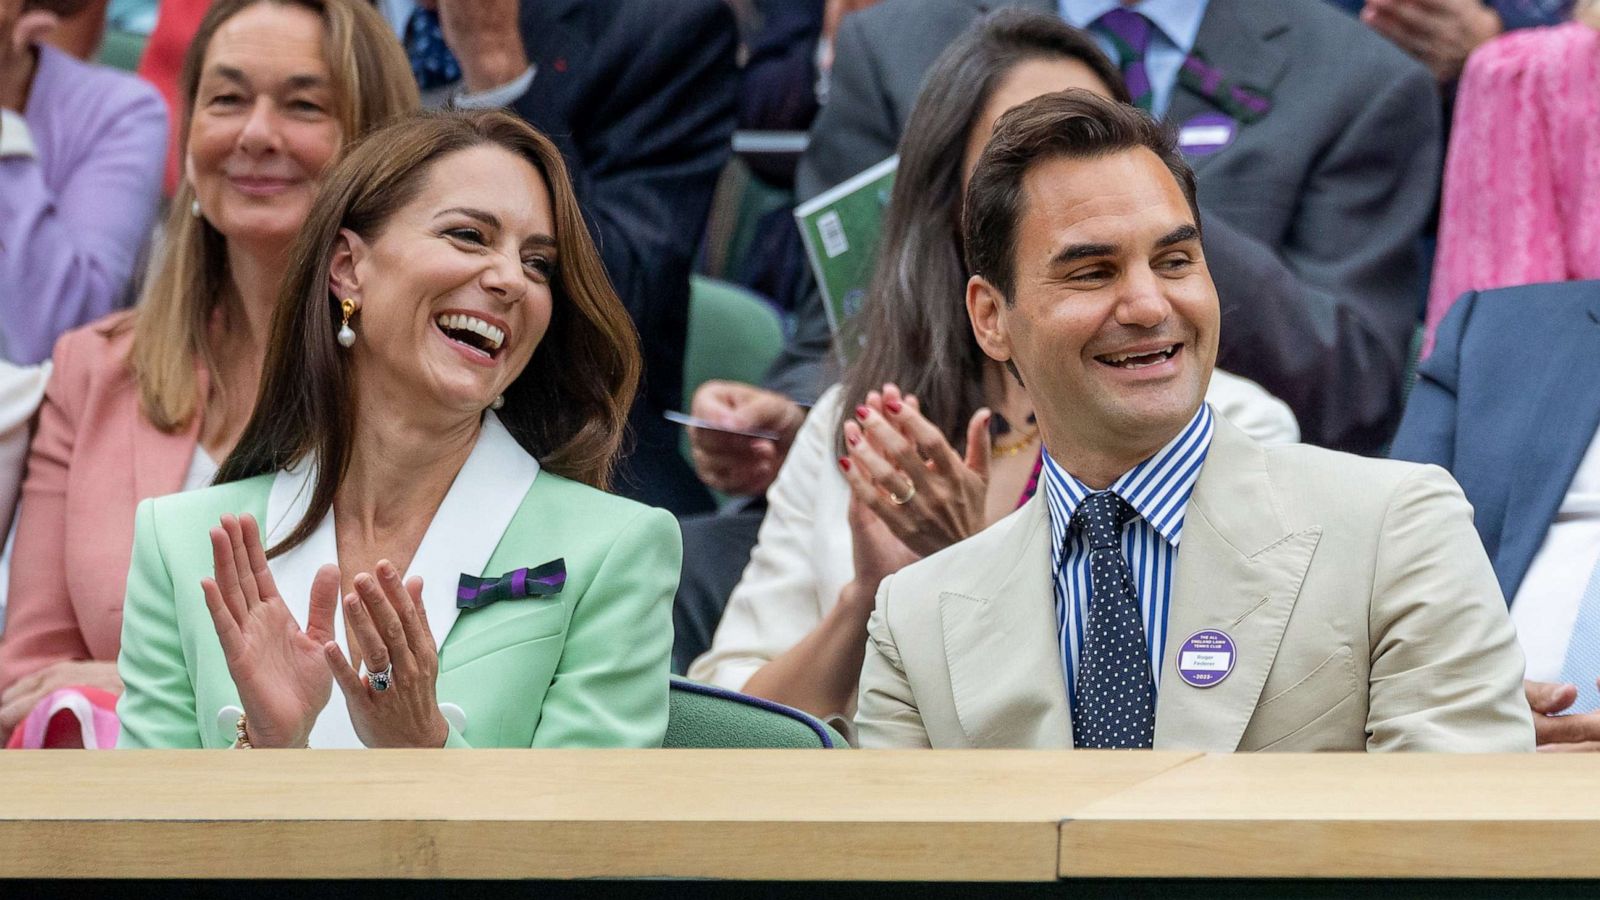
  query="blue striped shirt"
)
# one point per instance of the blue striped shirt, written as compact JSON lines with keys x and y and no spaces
{"x":1158,"y":489}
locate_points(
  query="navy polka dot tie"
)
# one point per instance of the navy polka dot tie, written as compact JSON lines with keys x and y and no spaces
{"x":432,"y":63}
{"x":1114,"y":703}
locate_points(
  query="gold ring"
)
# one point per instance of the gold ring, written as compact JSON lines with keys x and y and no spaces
{"x":911,"y":491}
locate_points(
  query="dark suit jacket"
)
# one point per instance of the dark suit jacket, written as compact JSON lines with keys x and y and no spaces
{"x":1509,"y":403}
{"x":641,"y":96}
{"x":1311,"y":214}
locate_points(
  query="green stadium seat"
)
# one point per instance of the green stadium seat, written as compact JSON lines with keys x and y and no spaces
{"x":705,"y":717}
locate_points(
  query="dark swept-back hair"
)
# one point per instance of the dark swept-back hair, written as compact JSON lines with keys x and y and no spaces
{"x":1073,"y":124}
{"x":568,"y":408}
{"x":914,"y":317}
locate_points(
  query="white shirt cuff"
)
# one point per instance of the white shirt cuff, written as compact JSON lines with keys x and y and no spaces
{"x":495,"y":97}
{"x":15,"y":138}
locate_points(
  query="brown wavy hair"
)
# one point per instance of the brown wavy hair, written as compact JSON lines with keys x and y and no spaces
{"x":372,"y":84}
{"x":914,"y":317}
{"x":568,"y":408}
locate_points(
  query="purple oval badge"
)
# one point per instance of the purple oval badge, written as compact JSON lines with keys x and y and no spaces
{"x":1206,"y":133}
{"x":1206,"y":658}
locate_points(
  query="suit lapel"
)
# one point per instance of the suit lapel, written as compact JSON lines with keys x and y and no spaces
{"x":1044,"y":6}
{"x":1239,"y":572}
{"x":1561,"y":431}
{"x":1247,"y":41}
{"x":1000,"y":644}
{"x":471,"y":523}
{"x":562,"y":55}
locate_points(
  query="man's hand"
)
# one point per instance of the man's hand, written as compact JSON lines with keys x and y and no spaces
{"x":19,"y":31}
{"x":486,"y":39}
{"x":735,"y":464}
{"x":1555,"y":733}
{"x":1439,"y":33}
{"x":832,"y":14}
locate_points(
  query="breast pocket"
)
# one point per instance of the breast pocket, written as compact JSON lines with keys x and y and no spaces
{"x":502,"y":693}
{"x":1289,"y":719}
{"x":481,"y":632}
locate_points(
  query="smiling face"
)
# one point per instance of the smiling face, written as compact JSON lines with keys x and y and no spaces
{"x":1113,"y":317}
{"x":455,"y":290}
{"x":264,"y":125}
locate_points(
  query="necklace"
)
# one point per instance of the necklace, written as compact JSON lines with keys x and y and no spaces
{"x":1016,"y":446}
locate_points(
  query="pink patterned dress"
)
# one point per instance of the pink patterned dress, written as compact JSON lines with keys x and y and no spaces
{"x":1522,"y":179}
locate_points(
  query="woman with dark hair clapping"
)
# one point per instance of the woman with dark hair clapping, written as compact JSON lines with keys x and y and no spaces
{"x":448,"y":387}
{"x":926,"y":441}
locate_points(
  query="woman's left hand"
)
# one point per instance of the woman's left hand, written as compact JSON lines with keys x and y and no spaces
{"x":390,"y":625}
{"x":904,"y":470}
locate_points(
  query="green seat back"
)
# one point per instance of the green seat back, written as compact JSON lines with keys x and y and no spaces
{"x":706,"y":717}
{"x":733,"y":334}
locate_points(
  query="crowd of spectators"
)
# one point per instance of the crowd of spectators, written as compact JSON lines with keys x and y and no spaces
{"x":329,"y":308}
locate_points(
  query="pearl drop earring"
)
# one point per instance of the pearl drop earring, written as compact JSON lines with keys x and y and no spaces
{"x":347,"y":335}
{"x":194,"y":208}
{"x":499,"y":401}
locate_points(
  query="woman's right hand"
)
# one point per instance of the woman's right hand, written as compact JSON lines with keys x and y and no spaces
{"x":877,"y":553}
{"x":904,"y":471}
{"x":279,"y":669}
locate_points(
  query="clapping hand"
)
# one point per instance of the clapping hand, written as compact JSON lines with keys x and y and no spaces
{"x":279,"y":670}
{"x":903,"y":470}
{"x":395,"y":706}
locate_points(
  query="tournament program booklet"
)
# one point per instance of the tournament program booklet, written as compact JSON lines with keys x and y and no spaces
{"x":840,"y":228}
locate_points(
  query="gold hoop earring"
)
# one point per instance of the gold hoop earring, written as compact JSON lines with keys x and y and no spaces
{"x":347,"y":335}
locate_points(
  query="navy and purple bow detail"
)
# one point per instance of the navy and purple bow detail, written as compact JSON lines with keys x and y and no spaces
{"x":518,"y":584}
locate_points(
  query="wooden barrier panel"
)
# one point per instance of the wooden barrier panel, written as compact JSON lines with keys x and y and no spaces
{"x":947,"y":816}
{"x":1347,"y":816}
{"x":521,"y":814}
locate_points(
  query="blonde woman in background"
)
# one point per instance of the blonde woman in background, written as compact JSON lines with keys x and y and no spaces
{"x":144,"y":403}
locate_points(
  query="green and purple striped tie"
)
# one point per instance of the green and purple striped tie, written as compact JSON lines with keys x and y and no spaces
{"x":1130,"y":34}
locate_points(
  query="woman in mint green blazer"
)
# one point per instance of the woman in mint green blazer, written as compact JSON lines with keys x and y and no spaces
{"x":411,"y":546}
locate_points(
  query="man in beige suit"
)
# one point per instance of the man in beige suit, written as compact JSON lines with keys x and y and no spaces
{"x":1320,"y":601}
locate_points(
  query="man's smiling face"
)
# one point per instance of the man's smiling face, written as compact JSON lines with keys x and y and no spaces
{"x":1113,"y":318}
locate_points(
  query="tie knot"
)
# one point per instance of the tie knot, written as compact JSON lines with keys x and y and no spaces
{"x":1129,"y":29}
{"x":1100,"y":519}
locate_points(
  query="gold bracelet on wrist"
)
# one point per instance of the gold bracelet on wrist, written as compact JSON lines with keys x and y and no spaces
{"x":243,"y":737}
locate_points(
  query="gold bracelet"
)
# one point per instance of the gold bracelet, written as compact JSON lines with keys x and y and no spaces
{"x":243,"y":742}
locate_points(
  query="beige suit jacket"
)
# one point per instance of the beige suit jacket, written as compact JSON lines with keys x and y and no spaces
{"x":1363,"y":609}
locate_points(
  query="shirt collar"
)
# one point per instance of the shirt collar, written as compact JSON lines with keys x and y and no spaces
{"x":1178,"y":20}
{"x":1158,"y":489}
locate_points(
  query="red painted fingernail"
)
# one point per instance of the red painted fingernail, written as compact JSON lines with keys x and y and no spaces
{"x":861,"y":413}
{"x":844,"y":464}
{"x":852,"y":439}
{"x":892,"y":405}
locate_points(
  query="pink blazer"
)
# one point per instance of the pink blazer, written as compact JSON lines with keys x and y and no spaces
{"x":1522,"y":180}
{"x":94,"y":457}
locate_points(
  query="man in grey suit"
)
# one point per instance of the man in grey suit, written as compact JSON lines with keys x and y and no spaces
{"x":1313,"y":205}
{"x":1317,"y":601}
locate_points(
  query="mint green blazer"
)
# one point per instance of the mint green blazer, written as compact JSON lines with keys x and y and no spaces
{"x":587,"y":667}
